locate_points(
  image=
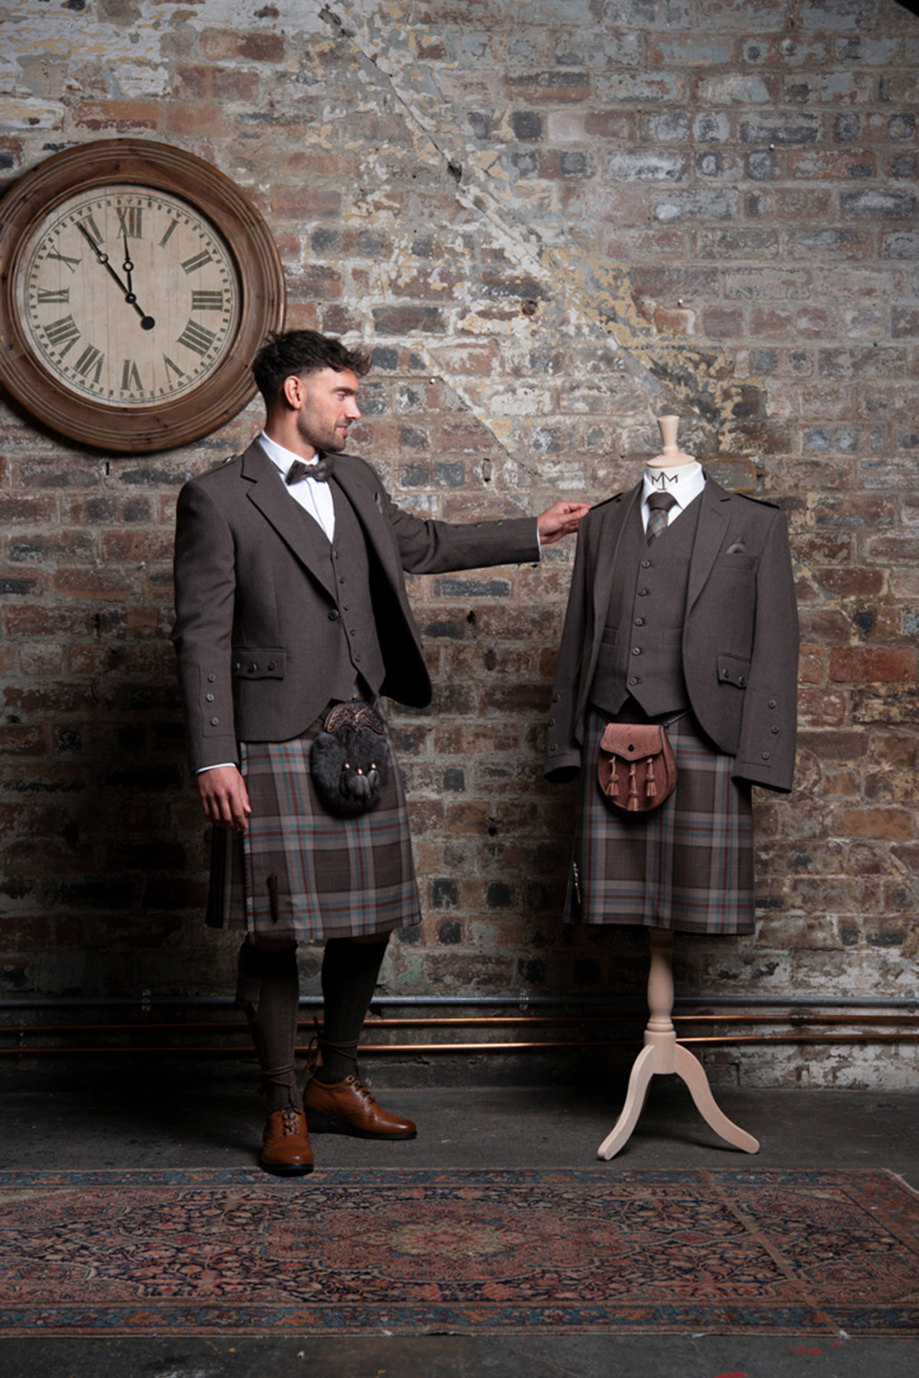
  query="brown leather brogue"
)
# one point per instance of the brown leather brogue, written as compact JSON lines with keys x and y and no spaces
{"x":347,"y":1107}
{"x":286,"y":1147}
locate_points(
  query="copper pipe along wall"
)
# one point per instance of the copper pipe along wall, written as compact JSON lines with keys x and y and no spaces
{"x":474,"y":1021}
{"x":428,"y":1049}
{"x":425,"y":1049}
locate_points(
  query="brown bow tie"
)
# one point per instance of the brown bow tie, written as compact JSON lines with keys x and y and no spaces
{"x":320,"y":470}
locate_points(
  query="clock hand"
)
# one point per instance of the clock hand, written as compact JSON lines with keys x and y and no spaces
{"x":146,"y":322}
{"x":128,"y":270}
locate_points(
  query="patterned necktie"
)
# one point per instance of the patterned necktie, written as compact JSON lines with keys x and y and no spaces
{"x":659,"y":504}
{"x":320,"y":470}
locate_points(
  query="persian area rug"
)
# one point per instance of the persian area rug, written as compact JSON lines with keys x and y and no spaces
{"x":208,"y":1252}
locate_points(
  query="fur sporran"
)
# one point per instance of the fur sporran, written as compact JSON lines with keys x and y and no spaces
{"x":349,"y":760}
{"x":636,"y":766}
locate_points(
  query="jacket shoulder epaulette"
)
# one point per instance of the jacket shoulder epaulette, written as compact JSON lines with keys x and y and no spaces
{"x":760,"y":502}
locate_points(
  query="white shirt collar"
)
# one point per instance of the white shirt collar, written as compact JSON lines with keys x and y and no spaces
{"x":684,"y":482}
{"x":281,"y":457}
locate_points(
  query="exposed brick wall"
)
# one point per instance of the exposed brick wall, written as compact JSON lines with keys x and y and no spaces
{"x":552,"y":221}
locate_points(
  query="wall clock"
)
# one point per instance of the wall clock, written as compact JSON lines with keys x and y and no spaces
{"x":137,"y":284}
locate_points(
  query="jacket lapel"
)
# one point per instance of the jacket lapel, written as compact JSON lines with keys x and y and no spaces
{"x":297,"y":529}
{"x":710,"y":536}
{"x":615,"y":519}
{"x":367,"y":504}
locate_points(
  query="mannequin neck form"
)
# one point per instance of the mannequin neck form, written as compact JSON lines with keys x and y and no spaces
{"x":670,"y":457}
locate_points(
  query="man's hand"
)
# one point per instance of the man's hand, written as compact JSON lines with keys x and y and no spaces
{"x":224,"y":797}
{"x":559,"y":520}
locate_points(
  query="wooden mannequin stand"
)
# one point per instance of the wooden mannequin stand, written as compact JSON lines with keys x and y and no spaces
{"x":663,"y":1055}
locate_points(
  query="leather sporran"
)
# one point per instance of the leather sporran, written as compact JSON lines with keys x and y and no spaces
{"x":349,"y":760}
{"x":636,"y":766}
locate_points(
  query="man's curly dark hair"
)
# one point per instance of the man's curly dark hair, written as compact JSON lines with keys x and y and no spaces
{"x":297,"y":352}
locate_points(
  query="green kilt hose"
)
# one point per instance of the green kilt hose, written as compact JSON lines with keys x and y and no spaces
{"x":687,"y":866}
{"x":299,"y":872}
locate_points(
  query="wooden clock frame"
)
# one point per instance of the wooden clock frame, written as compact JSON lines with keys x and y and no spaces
{"x":158,"y":167}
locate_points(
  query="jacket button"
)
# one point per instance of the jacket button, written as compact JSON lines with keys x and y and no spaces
{"x":639,"y":621}
{"x":237,"y":665}
{"x":741,"y":680}
{"x":253,"y":666}
{"x":636,"y":650}
{"x":271,"y":665}
{"x":646,"y":564}
{"x":642,"y":593}
{"x":209,"y":698}
{"x":725,"y":673}
{"x":634,"y":680}
{"x":211,"y":678}
{"x":766,"y":755}
{"x":214,"y":722}
{"x":334,"y":615}
{"x":772,"y":703}
{"x":775,"y":731}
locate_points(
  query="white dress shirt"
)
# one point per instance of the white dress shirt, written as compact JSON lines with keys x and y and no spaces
{"x":314,"y":497}
{"x":684,"y":482}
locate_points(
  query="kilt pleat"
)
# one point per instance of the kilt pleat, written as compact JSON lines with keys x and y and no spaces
{"x":688,"y":866}
{"x":298,"y":871}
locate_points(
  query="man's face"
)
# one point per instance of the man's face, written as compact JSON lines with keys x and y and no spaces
{"x":328,"y":406}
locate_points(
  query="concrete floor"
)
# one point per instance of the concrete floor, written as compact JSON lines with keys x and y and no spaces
{"x":106,"y":1115}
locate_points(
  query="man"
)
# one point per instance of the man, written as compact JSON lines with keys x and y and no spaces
{"x":290,"y":599}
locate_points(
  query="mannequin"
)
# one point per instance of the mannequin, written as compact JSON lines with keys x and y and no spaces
{"x":684,"y":618}
{"x":662,"y":1055}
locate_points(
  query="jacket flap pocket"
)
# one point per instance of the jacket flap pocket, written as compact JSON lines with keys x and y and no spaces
{"x":733,"y":670}
{"x":259,"y":662}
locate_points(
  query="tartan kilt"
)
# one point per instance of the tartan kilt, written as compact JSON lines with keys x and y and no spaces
{"x":299,"y":872}
{"x":688,"y":866}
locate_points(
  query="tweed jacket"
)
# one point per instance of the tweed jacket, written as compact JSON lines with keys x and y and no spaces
{"x":256,"y":612}
{"x":740,"y":633}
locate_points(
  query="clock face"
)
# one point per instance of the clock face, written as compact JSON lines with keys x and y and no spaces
{"x":129,"y":296}
{"x":137,"y":284}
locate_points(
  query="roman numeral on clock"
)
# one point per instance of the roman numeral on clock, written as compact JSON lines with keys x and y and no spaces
{"x":90,"y":362}
{"x":130,"y":377}
{"x":207,"y":301}
{"x":63,"y":333}
{"x":196,"y":337}
{"x":131,"y":219}
{"x":191,"y":265}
